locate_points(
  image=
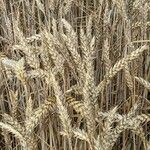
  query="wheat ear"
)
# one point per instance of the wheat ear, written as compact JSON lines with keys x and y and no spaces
{"x":38,"y":114}
{"x":17,"y":134}
{"x":145,"y":83}
{"x":118,"y":66}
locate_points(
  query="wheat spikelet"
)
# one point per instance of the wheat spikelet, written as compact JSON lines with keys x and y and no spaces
{"x":136,"y":24}
{"x":145,"y":83}
{"x":84,"y":43}
{"x":81,"y":134}
{"x":106,"y":21}
{"x":31,"y":145}
{"x":29,"y":107}
{"x":128,"y":78}
{"x":74,"y":89}
{"x":31,"y":141}
{"x":89,"y":28}
{"x":112,"y":137}
{"x":35,"y":37}
{"x":108,"y":119}
{"x":145,"y":12}
{"x":19,"y":70}
{"x":46,"y":62}
{"x":143,"y":117}
{"x":77,"y":105}
{"x":106,"y":55}
{"x":32,"y":59}
{"x":54,"y":27}
{"x":8,"y":24}
{"x":14,"y":102}
{"x":133,"y":110}
{"x":38,"y":73}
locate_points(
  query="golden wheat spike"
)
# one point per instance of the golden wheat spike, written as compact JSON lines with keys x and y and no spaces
{"x":19,"y":70}
{"x":14,"y":102}
{"x":17,"y":134}
{"x":145,"y":83}
{"x":118,"y":66}
{"x":106,"y":55}
{"x":128,"y":77}
{"x":77,"y":105}
{"x":62,"y":110}
{"x":14,"y":123}
{"x":38,"y":114}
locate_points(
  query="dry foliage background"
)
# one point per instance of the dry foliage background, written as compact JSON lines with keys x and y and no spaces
{"x":74,"y":74}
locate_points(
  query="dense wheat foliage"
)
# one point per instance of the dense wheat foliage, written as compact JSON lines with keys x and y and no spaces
{"x":74,"y":74}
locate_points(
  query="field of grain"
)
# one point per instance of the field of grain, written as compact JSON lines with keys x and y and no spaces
{"x":74,"y":74}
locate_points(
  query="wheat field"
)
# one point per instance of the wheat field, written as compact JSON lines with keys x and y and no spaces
{"x":74,"y":74}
